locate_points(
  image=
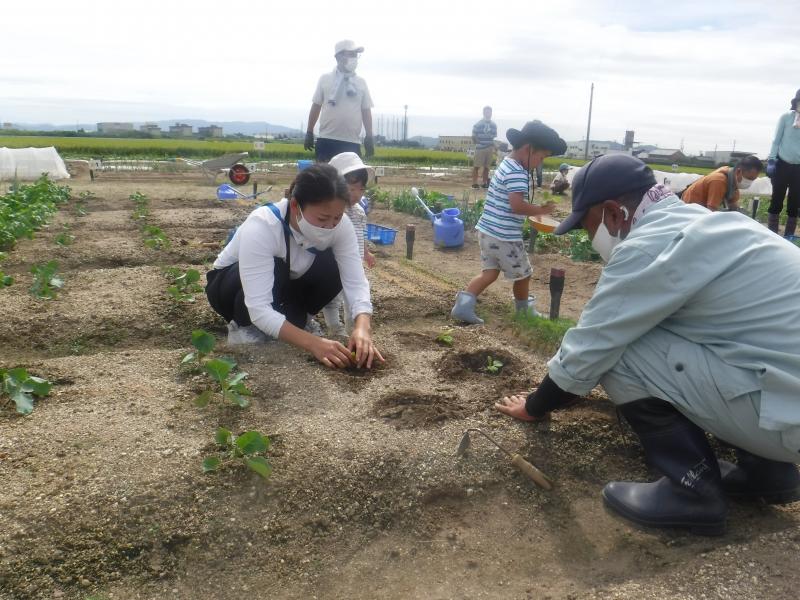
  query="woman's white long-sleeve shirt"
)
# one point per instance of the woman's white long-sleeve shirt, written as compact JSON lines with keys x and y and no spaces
{"x":260,"y":240}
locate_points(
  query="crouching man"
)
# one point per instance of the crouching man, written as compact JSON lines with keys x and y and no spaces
{"x":683,"y":345}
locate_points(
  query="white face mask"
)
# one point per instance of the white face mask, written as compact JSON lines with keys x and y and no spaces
{"x":603,"y":242}
{"x":319,"y":237}
{"x":744,"y":183}
{"x":350,"y":64}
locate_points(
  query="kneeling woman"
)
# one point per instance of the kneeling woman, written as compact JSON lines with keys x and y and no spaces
{"x":287,"y":261}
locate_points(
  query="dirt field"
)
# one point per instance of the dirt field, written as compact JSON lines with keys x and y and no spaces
{"x":103,"y":495}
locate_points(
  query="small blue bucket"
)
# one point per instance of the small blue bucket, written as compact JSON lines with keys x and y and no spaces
{"x":381,"y":235}
{"x":304,"y":164}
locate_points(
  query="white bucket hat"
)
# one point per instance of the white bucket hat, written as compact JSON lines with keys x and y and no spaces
{"x":347,"y":162}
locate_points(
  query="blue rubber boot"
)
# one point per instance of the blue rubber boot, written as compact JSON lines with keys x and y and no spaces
{"x":527,"y":307}
{"x":464,"y":309}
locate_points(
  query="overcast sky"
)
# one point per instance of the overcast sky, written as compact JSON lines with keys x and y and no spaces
{"x":705,"y":73}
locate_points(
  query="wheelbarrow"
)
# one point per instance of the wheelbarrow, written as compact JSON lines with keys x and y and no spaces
{"x":230,"y":164}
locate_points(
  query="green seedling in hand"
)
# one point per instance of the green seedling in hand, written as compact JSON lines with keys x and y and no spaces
{"x":493,"y":366}
{"x":45,"y":283}
{"x":248,"y":448}
{"x":20,"y":388}
{"x":445,"y":338}
{"x":231,"y":385}
{"x":203,"y":343}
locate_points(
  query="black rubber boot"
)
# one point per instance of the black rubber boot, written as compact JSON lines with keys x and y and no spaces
{"x":690,"y":495}
{"x":773,"y":222}
{"x":791,"y":225}
{"x":756,"y":478}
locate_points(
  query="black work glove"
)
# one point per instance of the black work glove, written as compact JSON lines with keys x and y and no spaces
{"x":369,"y":146}
{"x":308,"y":144}
{"x":548,"y":396}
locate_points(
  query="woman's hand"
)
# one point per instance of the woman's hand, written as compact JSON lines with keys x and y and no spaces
{"x":361,"y":344}
{"x":369,"y":258}
{"x":514,"y":406}
{"x":331,"y":353}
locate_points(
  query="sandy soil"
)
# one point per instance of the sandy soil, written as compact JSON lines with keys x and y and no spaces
{"x":103,"y":496}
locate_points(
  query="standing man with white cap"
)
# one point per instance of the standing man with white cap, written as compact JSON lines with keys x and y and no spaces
{"x":343,"y":102}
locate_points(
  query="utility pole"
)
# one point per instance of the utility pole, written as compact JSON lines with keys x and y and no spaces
{"x":405,"y":123}
{"x":589,"y":125}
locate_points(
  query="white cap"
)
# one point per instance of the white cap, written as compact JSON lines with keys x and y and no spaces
{"x":347,"y":162}
{"x":347,"y":46}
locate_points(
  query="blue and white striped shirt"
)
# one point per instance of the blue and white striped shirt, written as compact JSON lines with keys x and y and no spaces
{"x":484,"y":131}
{"x":497,"y":220}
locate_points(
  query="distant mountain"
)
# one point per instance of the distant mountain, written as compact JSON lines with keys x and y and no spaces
{"x":428,"y":142}
{"x":228,"y":127}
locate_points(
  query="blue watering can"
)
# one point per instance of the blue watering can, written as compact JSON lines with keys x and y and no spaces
{"x":448,"y":229}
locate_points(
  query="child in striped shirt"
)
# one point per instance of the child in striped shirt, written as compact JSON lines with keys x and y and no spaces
{"x":504,"y":213}
{"x":356,"y":174}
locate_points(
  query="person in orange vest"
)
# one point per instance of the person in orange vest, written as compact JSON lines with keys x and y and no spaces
{"x":720,"y":189}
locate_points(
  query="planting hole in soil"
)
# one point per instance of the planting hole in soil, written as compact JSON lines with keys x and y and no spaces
{"x":489,"y":362}
{"x":408,"y":409}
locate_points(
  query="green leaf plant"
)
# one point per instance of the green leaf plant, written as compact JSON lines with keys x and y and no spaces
{"x":45,"y":282}
{"x":231,"y":384}
{"x":247,"y":448}
{"x":20,"y":387}
{"x":203,"y":343}
{"x":493,"y":365}
{"x":184,"y":284}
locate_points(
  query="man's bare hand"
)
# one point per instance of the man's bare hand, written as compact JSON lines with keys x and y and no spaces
{"x":514,"y":406}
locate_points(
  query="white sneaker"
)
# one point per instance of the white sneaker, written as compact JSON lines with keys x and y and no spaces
{"x":337,"y":330}
{"x":314,"y":328}
{"x":249,"y":334}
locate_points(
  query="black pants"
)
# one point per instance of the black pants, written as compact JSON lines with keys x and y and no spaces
{"x":327,"y":148}
{"x":787,"y":176}
{"x":294,"y":298}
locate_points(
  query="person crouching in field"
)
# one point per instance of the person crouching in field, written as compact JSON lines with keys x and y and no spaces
{"x":356,"y":174}
{"x":674,"y":357}
{"x":500,"y":226}
{"x":720,"y":189}
{"x":287,"y":261}
{"x":560,"y":182}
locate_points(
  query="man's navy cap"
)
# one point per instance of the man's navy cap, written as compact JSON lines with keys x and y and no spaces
{"x":606,"y":177}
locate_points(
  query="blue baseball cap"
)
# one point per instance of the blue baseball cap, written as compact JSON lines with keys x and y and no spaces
{"x":604,"y":178}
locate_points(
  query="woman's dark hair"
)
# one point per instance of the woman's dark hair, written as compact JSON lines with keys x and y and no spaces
{"x":318,"y":183}
{"x":750,"y":163}
{"x":358,"y":176}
